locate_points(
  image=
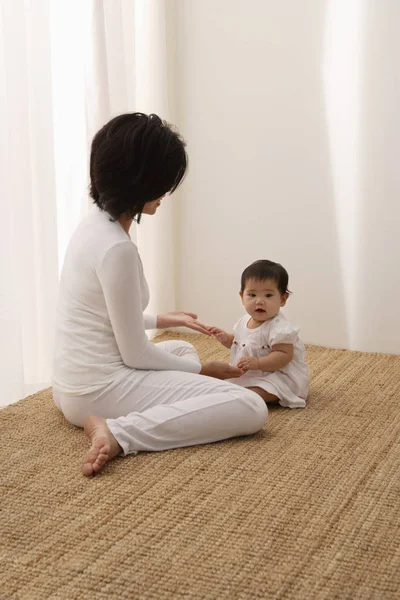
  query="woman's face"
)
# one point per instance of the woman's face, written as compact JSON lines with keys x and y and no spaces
{"x":150,"y":208}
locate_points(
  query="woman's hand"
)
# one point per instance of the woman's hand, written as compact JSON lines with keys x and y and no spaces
{"x":220,"y":370}
{"x":181,"y":319}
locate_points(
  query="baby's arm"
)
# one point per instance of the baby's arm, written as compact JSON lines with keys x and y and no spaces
{"x":280,"y":356}
{"x":226,"y":339}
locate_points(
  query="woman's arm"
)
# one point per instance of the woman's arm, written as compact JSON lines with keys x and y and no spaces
{"x":150,"y":321}
{"x":175,"y":319}
{"x":120,"y":279}
{"x":181,"y":319}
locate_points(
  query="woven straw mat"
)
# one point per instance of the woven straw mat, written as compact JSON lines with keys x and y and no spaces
{"x":307,"y":509}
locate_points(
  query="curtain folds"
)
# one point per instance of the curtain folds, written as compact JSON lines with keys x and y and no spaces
{"x":65,"y":69}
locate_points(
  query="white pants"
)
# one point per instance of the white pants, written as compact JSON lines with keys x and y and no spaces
{"x":159,"y":410}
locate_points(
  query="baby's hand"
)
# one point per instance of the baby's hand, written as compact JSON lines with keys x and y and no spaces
{"x":248,"y":363}
{"x":220,"y":334}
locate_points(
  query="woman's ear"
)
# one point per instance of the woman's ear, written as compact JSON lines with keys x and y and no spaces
{"x":284,"y":298}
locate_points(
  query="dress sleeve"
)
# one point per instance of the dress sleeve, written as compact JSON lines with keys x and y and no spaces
{"x":236,"y":328}
{"x":283,"y":333}
{"x":120,"y":280}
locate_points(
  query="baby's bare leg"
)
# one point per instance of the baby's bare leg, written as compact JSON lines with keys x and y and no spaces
{"x":266,"y":396}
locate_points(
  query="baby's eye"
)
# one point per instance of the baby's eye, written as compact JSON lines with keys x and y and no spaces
{"x":251,"y":295}
{"x":268,"y":295}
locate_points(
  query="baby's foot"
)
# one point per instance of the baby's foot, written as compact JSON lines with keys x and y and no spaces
{"x":104,"y":446}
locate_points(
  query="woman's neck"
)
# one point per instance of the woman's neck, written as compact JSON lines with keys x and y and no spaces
{"x":126,"y":223}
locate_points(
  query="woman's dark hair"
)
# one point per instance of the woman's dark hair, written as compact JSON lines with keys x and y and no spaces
{"x":266,"y":269}
{"x":135,"y":158}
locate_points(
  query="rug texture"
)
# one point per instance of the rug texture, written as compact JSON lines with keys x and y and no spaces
{"x":307,"y":509}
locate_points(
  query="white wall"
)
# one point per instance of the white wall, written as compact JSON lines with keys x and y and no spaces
{"x":293,"y":149}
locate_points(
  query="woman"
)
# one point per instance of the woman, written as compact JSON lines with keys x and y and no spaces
{"x":128,"y":393}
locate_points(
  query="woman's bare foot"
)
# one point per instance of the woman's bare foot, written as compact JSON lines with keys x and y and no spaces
{"x":104,"y":446}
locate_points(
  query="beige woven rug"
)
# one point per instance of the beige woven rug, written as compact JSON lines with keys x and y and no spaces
{"x":306,"y":509}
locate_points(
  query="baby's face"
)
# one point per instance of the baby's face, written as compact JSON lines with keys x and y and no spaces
{"x":262,"y":299}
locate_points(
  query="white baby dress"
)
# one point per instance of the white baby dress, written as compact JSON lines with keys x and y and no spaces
{"x":289,"y":384}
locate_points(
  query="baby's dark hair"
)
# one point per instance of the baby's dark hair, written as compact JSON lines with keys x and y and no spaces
{"x":266,"y":269}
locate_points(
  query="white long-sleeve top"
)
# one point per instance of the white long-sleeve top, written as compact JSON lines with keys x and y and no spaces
{"x":100,"y":329}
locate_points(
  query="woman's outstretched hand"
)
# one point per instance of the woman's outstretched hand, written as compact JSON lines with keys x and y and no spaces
{"x":181,"y":319}
{"x":220,"y":370}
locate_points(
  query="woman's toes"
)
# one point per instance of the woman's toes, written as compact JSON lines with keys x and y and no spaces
{"x":87,"y":469}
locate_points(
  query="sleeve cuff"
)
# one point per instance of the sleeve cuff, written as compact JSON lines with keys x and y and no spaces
{"x":150,"y":321}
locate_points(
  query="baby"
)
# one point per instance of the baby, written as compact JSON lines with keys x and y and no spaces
{"x":264,"y":344}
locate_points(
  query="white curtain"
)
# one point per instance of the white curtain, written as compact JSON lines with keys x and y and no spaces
{"x":28,"y":241}
{"x":65,"y":69}
{"x":155,"y":236}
